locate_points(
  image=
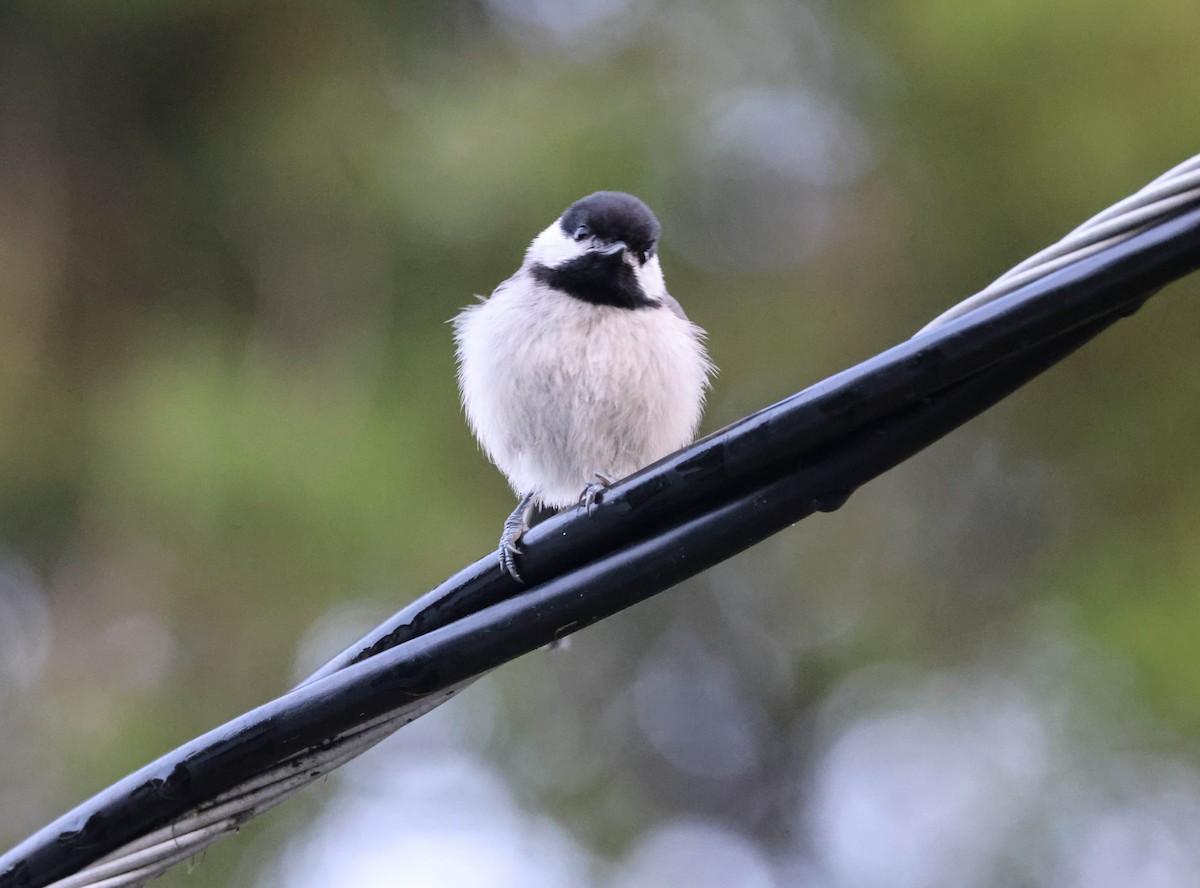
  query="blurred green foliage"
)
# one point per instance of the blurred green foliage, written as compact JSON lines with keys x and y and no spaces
{"x":230,"y":235}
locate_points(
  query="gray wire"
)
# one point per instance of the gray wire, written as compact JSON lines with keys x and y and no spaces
{"x":142,"y":859}
{"x":154,"y":853}
{"x":1169,"y":195}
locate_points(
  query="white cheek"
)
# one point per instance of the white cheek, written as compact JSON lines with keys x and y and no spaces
{"x":650,"y":276}
{"x":552,"y":247}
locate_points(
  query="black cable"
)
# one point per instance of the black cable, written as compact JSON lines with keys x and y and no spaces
{"x":727,"y":492}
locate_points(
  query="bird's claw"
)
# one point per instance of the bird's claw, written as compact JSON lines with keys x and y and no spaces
{"x":510,"y":540}
{"x":591,"y":493}
{"x":509,"y":550}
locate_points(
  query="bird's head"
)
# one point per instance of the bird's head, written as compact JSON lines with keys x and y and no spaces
{"x":603,"y":250}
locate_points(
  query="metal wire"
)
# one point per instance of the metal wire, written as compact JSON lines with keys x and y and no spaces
{"x":670,"y":521}
{"x":1171,"y":193}
{"x":155,"y":852}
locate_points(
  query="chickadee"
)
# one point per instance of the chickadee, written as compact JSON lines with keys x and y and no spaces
{"x":580,"y":369}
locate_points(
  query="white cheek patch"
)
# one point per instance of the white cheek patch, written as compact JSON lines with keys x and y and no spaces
{"x":650,"y":277}
{"x":552,"y":248}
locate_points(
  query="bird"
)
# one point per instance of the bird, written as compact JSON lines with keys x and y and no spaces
{"x":580,"y":369}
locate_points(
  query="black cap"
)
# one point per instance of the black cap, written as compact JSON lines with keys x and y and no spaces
{"x":614,"y":216}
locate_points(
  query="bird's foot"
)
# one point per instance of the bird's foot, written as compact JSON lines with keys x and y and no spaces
{"x":510,"y":540}
{"x":591,"y":494}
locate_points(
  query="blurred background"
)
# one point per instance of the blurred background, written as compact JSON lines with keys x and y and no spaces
{"x":230,"y":236}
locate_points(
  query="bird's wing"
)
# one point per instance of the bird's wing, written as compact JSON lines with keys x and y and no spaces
{"x":673,"y":304}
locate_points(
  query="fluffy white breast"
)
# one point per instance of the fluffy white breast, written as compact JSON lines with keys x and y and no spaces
{"x":557,"y":389}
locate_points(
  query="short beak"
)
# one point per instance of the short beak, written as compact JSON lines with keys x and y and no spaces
{"x":613,"y":249}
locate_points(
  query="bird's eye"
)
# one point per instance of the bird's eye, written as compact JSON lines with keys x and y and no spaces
{"x":582,"y":232}
{"x":650,"y":252}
